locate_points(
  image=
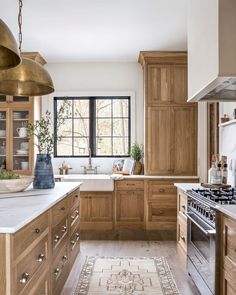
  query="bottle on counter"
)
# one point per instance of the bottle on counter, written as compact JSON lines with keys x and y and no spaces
{"x":218,"y":178}
{"x":212,"y":173}
{"x":224,"y":173}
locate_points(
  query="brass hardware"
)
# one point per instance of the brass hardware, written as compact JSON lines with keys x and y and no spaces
{"x":37,"y":230}
{"x":64,"y":257}
{"x":77,"y":235}
{"x":183,"y":238}
{"x":72,"y":242}
{"x":41,"y":257}
{"x":161,"y":190}
{"x":24,"y":278}
{"x":76,"y":196}
{"x":9,"y":52}
{"x":56,"y":271}
{"x":62,"y":208}
{"x":64,"y":228}
{"x":56,"y":238}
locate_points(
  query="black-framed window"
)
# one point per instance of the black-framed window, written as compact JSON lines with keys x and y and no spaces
{"x":97,"y":125}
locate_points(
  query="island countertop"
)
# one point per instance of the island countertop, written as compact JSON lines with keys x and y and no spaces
{"x":19,"y":209}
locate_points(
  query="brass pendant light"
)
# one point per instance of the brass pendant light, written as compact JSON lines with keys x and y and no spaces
{"x":9,"y":52}
{"x":27,"y":79}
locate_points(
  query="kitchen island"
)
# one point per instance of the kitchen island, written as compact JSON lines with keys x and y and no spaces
{"x":39,"y":239}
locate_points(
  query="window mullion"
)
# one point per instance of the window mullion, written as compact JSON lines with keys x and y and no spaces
{"x":92,"y":126}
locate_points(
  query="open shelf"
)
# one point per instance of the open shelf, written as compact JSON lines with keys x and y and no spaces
{"x":230,"y":122}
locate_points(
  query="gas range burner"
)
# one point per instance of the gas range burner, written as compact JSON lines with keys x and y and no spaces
{"x":220,"y":196}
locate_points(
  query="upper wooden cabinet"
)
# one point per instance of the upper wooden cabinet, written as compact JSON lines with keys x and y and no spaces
{"x":170,"y":122}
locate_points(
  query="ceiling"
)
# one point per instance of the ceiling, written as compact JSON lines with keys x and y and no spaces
{"x":98,"y":30}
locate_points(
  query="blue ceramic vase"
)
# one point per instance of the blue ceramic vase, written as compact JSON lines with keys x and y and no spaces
{"x":43,"y":173}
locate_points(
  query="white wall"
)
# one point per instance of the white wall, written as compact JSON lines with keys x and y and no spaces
{"x":99,"y":79}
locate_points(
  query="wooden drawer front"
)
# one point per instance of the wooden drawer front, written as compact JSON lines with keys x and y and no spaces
{"x":182,"y":232}
{"x":129,"y":184}
{"x":229,"y":239}
{"x":156,"y":189}
{"x":157,"y":213}
{"x":59,"y":211}
{"x":165,"y":201}
{"x":28,"y":265}
{"x":229,"y":284}
{"x":74,"y":218}
{"x":182,"y":202}
{"x":74,"y":198}
{"x":60,"y":270}
{"x":26,"y":236}
{"x":59,"y":233}
{"x":74,"y":245}
{"x":38,"y":287}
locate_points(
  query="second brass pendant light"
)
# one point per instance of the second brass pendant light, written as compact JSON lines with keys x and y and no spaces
{"x":27,"y":79}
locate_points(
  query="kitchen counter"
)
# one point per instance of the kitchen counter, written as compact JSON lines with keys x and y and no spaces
{"x":229,"y":210}
{"x":18,"y":209}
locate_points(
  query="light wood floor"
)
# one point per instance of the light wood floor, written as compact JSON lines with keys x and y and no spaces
{"x":166,"y":249}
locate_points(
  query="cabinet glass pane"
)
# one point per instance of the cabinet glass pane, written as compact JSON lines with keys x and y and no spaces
{"x":2,"y":139}
{"x":3,"y":98}
{"x":20,"y":140}
{"x":20,"y":98}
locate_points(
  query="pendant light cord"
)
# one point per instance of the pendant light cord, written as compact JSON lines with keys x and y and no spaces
{"x":20,"y":23}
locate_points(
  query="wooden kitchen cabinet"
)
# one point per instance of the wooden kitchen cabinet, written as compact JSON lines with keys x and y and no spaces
{"x":129,"y":204}
{"x":228,"y":268}
{"x":182,"y":202}
{"x":41,"y":254}
{"x":96,"y":210}
{"x":170,"y":122}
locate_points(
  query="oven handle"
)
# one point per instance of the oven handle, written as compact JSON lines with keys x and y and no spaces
{"x":206,"y":232}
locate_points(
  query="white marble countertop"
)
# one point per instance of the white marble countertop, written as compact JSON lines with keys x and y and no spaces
{"x":188,"y":186}
{"x":18,"y":209}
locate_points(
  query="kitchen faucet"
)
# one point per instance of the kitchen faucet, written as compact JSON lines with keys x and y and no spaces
{"x":90,"y":169}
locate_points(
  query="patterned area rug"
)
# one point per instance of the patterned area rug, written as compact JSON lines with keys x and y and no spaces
{"x":126,"y":276}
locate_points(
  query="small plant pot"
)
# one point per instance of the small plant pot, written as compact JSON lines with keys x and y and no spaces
{"x":138,"y":168}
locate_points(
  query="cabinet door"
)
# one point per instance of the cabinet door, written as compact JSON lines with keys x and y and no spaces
{"x":130,"y":206}
{"x":178,"y":83}
{"x":158,"y":141}
{"x":101,"y":206}
{"x":84,"y":207}
{"x":158,"y":84}
{"x":184,"y":140}
{"x":4,"y":140}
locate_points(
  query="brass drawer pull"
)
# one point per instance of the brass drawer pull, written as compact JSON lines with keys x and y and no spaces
{"x":76,"y":214}
{"x":64,"y":228}
{"x":64,"y":258}
{"x":41,"y":257}
{"x":130,"y":184}
{"x":161,"y":190}
{"x":62,"y":208}
{"x":183,"y":207}
{"x":56,"y":238}
{"x":56,"y":271}
{"x":37,"y":230}
{"x":24,"y":278}
{"x":72,"y":242}
{"x":77,"y":235}
{"x":183,"y":238}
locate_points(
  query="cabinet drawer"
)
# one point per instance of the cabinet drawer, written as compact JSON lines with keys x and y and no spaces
{"x":129,"y":185}
{"x":74,"y":245}
{"x":59,"y":233}
{"x":38,"y":287}
{"x":59,"y":211}
{"x":60,"y":269}
{"x":229,"y":284}
{"x":162,"y":189}
{"x":74,"y":199}
{"x":74,"y":218}
{"x":182,"y":232}
{"x":29,"y":264}
{"x":157,"y":213}
{"x":229,"y":239}
{"x":27,"y":235}
{"x":182,"y":202}
{"x":164,"y":201}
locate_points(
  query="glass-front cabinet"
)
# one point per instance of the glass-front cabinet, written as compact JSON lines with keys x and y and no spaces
{"x":16,"y":148}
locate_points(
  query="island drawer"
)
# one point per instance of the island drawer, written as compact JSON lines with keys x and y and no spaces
{"x":28,"y":234}
{"x":129,"y":184}
{"x":38,"y":286}
{"x":59,"y":234}
{"x":74,"y":198}
{"x":59,"y":211}
{"x":74,"y":218}
{"x":74,"y":244}
{"x":30,"y":263}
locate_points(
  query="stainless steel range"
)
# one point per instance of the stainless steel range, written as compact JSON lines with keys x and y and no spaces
{"x":203,"y":226}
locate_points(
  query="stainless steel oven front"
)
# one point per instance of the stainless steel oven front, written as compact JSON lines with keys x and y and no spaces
{"x":201,"y":251}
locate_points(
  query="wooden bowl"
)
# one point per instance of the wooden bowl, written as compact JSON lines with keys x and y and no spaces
{"x":15,"y":185}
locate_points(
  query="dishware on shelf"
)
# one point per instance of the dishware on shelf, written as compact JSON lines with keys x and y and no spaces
{"x":24,"y":145}
{"x":22,"y":152}
{"x":2,"y":116}
{"x":17,"y":115}
{"x":24,"y":165}
{"x":22,"y":132}
{"x":15,"y":185}
{"x":2,"y":133}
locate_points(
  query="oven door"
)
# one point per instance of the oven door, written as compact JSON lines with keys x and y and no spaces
{"x":201,"y":250}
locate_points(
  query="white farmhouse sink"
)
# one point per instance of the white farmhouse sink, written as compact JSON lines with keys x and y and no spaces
{"x":91,"y":182}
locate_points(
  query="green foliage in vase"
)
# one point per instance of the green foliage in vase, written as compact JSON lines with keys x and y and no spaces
{"x":136,"y":152}
{"x":8,"y":175}
{"x":43,"y":130}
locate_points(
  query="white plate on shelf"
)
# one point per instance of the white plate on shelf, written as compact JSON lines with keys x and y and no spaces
{"x":22,"y":152}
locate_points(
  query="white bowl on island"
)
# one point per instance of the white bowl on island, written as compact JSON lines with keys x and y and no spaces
{"x":15,"y":185}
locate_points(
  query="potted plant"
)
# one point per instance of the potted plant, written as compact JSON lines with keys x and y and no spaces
{"x":44,"y":133}
{"x":137,"y":153}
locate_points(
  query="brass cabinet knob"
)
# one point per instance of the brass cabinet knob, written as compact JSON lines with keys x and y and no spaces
{"x":77,"y":235}
{"x":72,"y":242}
{"x":56,"y":238}
{"x":64,"y":228}
{"x":62,"y":208}
{"x":64,"y":258}
{"x":37,"y":230}
{"x":56,"y":271}
{"x":24,"y":278}
{"x":41,"y":257}
{"x":183,"y":238}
